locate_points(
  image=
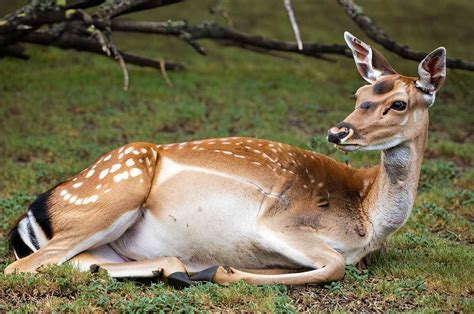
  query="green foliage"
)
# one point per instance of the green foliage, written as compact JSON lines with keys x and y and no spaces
{"x":334,"y":287}
{"x":435,"y":173}
{"x":354,"y":274}
{"x":409,"y":288}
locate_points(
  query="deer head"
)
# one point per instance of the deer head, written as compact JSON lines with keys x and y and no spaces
{"x":393,"y":108}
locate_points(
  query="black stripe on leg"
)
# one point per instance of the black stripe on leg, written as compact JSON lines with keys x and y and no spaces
{"x":17,"y":243}
{"x":40,"y":210}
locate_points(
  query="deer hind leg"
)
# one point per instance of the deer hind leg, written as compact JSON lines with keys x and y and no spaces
{"x":68,"y":243}
{"x":169,"y":268}
{"x":301,"y":246}
{"x":102,"y":254}
{"x":95,"y":207}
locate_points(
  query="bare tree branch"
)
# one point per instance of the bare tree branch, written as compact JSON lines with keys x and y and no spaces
{"x":211,"y":30}
{"x":379,"y":36}
{"x":84,"y":4}
{"x":113,"y":8}
{"x":70,"y":41}
{"x":70,"y":27}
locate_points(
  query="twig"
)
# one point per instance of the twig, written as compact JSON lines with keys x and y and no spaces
{"x":379,"y":36}
{"x":164,"y":73}
{"x":217,"y":9}
{"x":294,"y":25}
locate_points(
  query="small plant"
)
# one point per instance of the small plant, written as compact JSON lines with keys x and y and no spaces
{"x":437,"y":173}
{"x":353,"y":273}
{"x":410,"y":288}
{"x":10,"y":207}
{"x":437,"y":211}
{"x":334,"y":287}
{"x":413,"y":240}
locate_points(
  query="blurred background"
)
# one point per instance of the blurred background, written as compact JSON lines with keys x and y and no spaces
{"x":61,"y":109}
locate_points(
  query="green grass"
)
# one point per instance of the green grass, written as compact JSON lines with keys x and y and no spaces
{"x":60,"y":110}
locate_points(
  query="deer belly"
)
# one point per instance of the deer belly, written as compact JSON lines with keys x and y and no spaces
{"x":204,"y":221}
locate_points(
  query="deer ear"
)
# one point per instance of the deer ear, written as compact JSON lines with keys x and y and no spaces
{"x":370,"y":63}
{"x":432,"y":71}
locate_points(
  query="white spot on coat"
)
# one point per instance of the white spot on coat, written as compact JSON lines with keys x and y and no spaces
{"x":108,"y":157}
{"x":90,"y":173}
{"x":121,"y":176}
{"x":73,"y":199}
{"x":77,"y":185}
{"x":135,"y":172}
{"x":130,"y":162}
{"x":115,"y":167}
{"x":103,"y":173}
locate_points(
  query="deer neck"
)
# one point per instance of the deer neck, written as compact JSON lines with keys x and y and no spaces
{"x":393,"y":193}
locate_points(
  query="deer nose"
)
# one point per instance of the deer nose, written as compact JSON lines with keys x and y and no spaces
{"x":338,"y":135}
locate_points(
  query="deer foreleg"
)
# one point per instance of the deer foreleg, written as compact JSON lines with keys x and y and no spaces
{"x":301,"y":246}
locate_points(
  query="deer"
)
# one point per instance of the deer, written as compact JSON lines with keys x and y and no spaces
{"x":243,"y":209}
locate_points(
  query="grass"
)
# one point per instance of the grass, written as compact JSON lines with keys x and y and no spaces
{"x":60,"y":110}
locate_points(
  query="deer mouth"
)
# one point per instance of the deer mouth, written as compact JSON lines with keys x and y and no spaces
{"x":348,"y":147}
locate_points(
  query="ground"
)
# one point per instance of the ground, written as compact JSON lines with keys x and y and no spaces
{"x":60,"y":110}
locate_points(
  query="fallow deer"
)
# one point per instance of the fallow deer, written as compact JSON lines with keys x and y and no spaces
{"x":236,"y":208}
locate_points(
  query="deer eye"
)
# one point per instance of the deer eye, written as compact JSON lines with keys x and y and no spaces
{"x":398,"y":105}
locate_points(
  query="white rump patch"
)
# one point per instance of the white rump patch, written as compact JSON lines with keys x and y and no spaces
{"x":112,"y":233}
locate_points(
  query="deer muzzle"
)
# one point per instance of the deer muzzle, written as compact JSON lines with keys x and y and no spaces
{"x":339,"y":134}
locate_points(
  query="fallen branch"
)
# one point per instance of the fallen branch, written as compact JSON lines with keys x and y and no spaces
{"x":70,"y":27}
{"x":70,"y":41}
{"x":379,"y":36}
{"x":212,"y":30}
